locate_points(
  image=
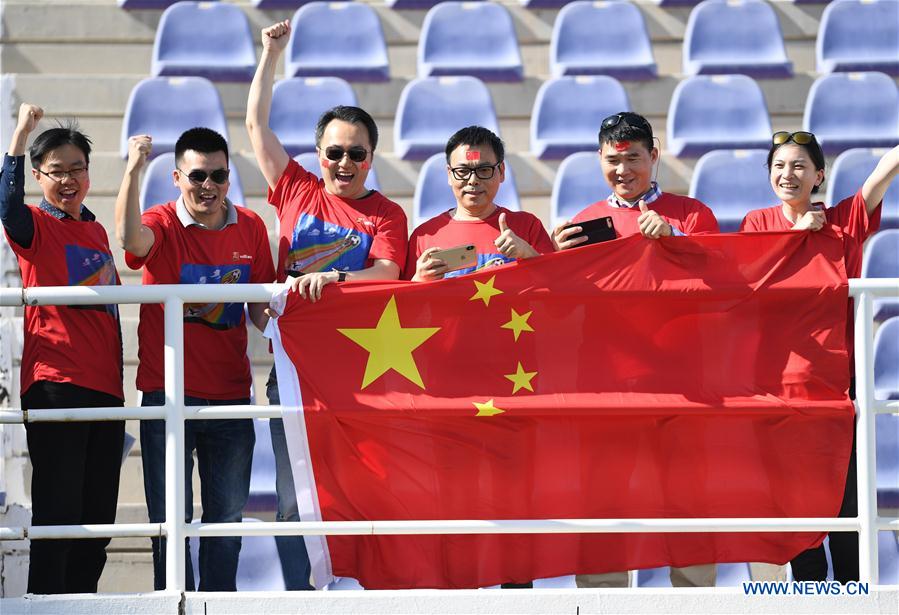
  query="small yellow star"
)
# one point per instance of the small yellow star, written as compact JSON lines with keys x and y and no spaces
{"x":487,"y":408}
{"x":485,"y":291}
{"x":521,"y":379}
{"x":518,"y":323}
{"x":390,"y":346}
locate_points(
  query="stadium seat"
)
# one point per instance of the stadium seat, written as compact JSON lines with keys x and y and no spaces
{"x":859,"y":35}
{"x":469,"y":38}
{"x":717,"y":112}
{"x":886,"y":386}
{"x":881,"y":260}
{"x":587,"y":40}
{"x":158,"y":185}
{"x":433,"y":194}
{"x":298,"y":102}
{"x":568,"y":111}
{"x":732,"y":183}
{"x":847,"y":110}
{"x":321,"y":44}
{"x":735,"y":36}
{"x":431,"y":109}
{"x":849,"y":172}
{"x":150,"y":110}
{"x":205,"y":39}
{"x":579,"y":182}
{"x":309,"y":161}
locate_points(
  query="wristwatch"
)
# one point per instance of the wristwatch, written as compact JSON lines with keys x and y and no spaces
{"x":341,"y":275}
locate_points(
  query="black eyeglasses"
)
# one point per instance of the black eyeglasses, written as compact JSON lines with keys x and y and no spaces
{"x":198,"y":177}
{"x":60,"y":176}
{"x":614,"y":120}
{"x":485,"y":171}
{"x":801,"y":137}
{"x":356,"y":153}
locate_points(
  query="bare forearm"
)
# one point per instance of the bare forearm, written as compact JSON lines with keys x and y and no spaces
{"x":127,"y":215}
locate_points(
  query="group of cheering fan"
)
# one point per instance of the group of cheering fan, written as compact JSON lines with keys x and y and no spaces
{"x":331,"y":230}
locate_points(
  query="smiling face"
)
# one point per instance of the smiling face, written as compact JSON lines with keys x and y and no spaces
{"x":345,"y":178}
{"x":68,"y":194}
{"x":475,"y":196}
{"x":627,"y":167}
{"x":205,"y":201}
{"x":793,"y":176}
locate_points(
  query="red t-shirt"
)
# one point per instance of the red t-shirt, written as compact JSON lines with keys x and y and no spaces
{"x":321,"y":231}
{"x":445,"y":232}
{"x":849,"y":216}
{"x":689,"y":216}
{"x":215,"y":334}
{"x":79,"y":344}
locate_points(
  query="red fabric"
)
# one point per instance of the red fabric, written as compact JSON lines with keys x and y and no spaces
{"x":697,"y":376}
{"x":445,"y":232}
{"x":689,"y":216}
{"x":79,"y":345}
{"x":303,"y":204}
{"x":215,"y":335}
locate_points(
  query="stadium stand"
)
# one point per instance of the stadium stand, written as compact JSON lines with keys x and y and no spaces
{"x":309,"y":161}
{"x":881,"y":260}
{"x":735,"y":36}
{"x":134,"y":5}
{"x":157,"y":185}
{"x":859,"y":35}
{"x":732,"y":183}
{"x":469,"y":38}
{"x":568,"y":111}
{"x":849,"y":172}
{"x":578,"y":183}
{"x":717,"y":112}
{"x":321,"y":45}
{"x":151,"y":110}
{"x":297,"y":103}
{"x":847,"y":110}
{"x":607,"y":38}
{"x":204,"y":39}
{"x":282,"y":4}
{"x":433,"y":194}
{"x":431,"y":109}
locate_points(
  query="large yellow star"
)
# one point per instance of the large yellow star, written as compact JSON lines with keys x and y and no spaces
{"x":487,"y":408}
{"x":518,"y":323}
{"x":390,"y":346}
{"x":485,"y":291}
{"x":521,"y":379}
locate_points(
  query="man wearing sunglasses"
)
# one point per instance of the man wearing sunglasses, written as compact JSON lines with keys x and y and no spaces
{"x":474,"y":169}
{"x":628,"y":155}
{"x":331,"y":230}
{"x":201,"y":238}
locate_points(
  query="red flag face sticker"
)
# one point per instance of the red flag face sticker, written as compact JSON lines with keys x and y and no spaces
{"x":621,"y":146}
{"x":472,"y":155}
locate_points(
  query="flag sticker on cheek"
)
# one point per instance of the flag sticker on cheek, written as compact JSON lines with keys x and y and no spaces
{"x":470,"y":155}
{"x":326,"y":163}
{"x":620,"y":146}
{"x":364,"y":164}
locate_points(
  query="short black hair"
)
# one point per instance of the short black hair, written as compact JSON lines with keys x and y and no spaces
{"x":202,"y":140}
{"x":351,"y":115}
{"x":64,"y":134}
{"x":476,"y":135}
{"x":626,"y":126}
{"x":812,"y":148}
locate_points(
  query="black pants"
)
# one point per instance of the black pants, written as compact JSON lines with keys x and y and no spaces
{"x":75,"y":481}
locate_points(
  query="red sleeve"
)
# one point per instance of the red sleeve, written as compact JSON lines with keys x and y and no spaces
{"x":749,"y":223}
{"x":155,"y":220}
{"x":293,"y":181}
{"x":391,"y":236}
{"x":264,"y":269}
{"x":851,"y":215}
{"x":701,"y":221}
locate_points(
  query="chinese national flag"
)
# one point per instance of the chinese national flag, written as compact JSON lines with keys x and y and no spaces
{"x":684,"y":377}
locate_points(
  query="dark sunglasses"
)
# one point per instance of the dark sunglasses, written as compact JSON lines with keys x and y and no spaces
{"x":336,"y":154}
{"x":614,"y":120}
{"x":219,"y":176}
{"x":801,"y":137}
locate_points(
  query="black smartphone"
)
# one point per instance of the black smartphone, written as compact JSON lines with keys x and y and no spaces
{"x":596,"y":230}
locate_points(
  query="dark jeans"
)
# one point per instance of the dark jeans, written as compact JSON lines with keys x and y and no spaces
{"x":224,"y":457}
{"x":75,"y":481}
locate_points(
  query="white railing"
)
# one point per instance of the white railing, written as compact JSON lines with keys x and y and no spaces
{"x":868,"y":523}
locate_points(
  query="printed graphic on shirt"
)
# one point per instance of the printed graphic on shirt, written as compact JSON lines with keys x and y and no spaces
{"x":90,"y":267}
{"x":317,"y":245}
{"x":215,"y":315}
{"x":484,"y":261}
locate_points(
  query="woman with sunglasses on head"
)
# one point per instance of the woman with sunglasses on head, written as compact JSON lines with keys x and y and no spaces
{"x":72,"y":356}
{"x":796,"y":172}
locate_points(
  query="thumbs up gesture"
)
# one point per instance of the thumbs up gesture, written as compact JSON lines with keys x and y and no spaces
{"x":651,"y":224}
{"x":511,"y":245}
